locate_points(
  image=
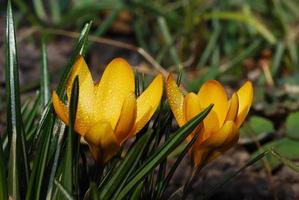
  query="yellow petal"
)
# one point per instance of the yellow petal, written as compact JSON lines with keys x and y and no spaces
{"x":245,"y":96}
{"x":148,"y":102}
{"x":191,"y":109}
{"x":60,"y":108}
{"x":102,"y":138}
{"x":233,"y":108}
{"x":175,"y":100}
{"x":140,"y":123}
{"x":127,"y":118}
{"x":213,"y":92}
{"x":220,"y":138}
{"x":86,"y":115}
{"x":116,"y":83}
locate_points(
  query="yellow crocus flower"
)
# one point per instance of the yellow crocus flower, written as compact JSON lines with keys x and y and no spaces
{"x":219,"y":130}
{"x":108,"y":112}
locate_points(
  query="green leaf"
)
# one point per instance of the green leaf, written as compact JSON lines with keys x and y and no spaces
{"x":292,"y":125}
{"x":128,"y":164}
{"x":44,"y":85}
{"x":284,"y":160}
{"x":67,"y":174}
{"x":63,"y":191}
{"x":256,"y":128}
{"x":18,"y":166}
{"x":163,"y":151}
{"x":174,"y":166}
{"x":79,"y":50}
{"x":285,"y":147}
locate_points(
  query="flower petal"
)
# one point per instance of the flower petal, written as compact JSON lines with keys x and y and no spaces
{"x":86,"y":115}
{"x":245,"y":96}
{"x":221,"y":138}
{"x":233,"y":108}
{"x":213,"y":92}
{"x":127,"y":118}
{"x":116,"y":83}
{"x":141,"y":122}
{"x":148,"y":102}
{"x":175,"y":100}
{"x":191,"y":109}
{"x":102,"y":139}
{"x":60,"y":108}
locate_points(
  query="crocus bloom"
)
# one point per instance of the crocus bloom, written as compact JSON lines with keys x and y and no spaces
{"x":108,"y":112}
{"x":219,"y":130}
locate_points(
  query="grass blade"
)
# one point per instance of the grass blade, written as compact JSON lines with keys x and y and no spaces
{"x":284,"y":160}
{"x":67,"y":174}
{"x":161,"y":153}
{"x":127,"y":164}
{"x":63,"y":191}
{"x":45,"y":91}
{"x":17,"y":157}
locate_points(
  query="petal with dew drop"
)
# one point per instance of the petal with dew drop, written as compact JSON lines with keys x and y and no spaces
{"x":191,"y":109}
{"x":213,"y":92}
{"x":176,"y":100}
{"x":245,"y":96}
{"x":60,"y":108}
{"x":127,"y":118}
{"x":86,"y":98}
{"x":148,"y":102}
{"x":116,"y":83}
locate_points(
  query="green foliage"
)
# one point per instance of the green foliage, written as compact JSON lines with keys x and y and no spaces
{"x":41,"y":158}
{"x":292,"y":125}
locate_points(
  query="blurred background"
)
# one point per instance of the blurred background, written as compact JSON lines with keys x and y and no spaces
{"x":228,"y":40}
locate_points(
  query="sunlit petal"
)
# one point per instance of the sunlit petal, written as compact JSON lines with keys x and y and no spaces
{"x":127,"y":118}
{"x":149,"y":100}
{"x":141,"y":122}
{"x":175,"y":100}
{"x":86,"y":115}
{"x":233,"y":108}
{"x":218,"y":139}
{"x":116,"y":83}
{"x":213,"y":92}
{"x":60,"y":108}
{"x":191,"y":109}
{"x":245,"y":96}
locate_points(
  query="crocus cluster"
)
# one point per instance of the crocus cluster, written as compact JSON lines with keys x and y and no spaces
{"x":109,"y":113}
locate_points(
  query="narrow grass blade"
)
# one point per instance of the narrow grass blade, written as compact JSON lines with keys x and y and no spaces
{"x":44,"y":85}
{"x":284,"y":160}
{"x":67,"y":174}
{"x":168,"y":39}
{"x":127,"y":164}
{"x":39,"y":9}
{"x":63,"y":191}
{"x":280,"y":48}
{"x":174,"y":167}
{"x":18,"y":156}
{"x":78,"y":50}
{"x":161,"y":153}
{"x":213,"y":190}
